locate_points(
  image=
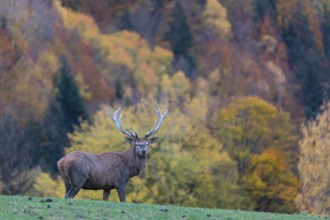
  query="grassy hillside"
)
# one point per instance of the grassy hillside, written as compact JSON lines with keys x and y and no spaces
{"x":22,"y":207}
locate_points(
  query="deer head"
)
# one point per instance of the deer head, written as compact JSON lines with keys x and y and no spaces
{"x":140,"y":144}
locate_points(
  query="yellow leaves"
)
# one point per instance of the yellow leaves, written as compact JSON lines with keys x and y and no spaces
{"x":252,"y":122}
{"x":254,"y":132}
{"x":122,"y":48}
{"x":250,"y":106}
{"x":119,"y":47}
{"x":48,"y":62}
{"x":215,"y":16}
{"x":270,"y":178}
{"x":273,"y":158}
{"x":130,"y":49}
{"x":248,"y":116}
{"x":175,"y":89}
{"x":314,"y":164}
{"x":84,"y":24}
{"x":31,"y":87}
{"x":181,"y":83}
{"x":269,"y":42}
{"x":46,"y":186}
{"x":83,"y":87}
{"x":98,"y":138}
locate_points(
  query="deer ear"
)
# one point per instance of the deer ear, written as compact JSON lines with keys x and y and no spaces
{"x":129,"y":140}
{"x":153,"y":140}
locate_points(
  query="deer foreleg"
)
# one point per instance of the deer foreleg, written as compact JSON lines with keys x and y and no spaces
{"x":106,"y":194}
{"x":122,"y":193}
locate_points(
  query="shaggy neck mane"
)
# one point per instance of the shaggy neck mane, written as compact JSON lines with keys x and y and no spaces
{"x":136,"y":163}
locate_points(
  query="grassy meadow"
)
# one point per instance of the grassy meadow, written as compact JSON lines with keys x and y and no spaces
{"x":23,"y":207}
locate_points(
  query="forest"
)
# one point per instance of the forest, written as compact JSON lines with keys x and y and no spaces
{"x":246,"y":84}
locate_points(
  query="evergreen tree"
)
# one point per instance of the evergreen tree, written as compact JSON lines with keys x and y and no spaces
{"x":65,"y":110}
{"x":308,"y":65}
{"x":298,"y":36}
{"x":118,"y":89}
{"x":125,"y":21}
{"x":264,"y":7}
{"x":69,"y":98}
{"x":309,"y":71}
{"x":159,"y":3}
{"x":179,"y":35}
{"x":16,"y":175}
{"x":48,"y":138}
{"x":326,"y":29}
{"x":54,"y":136}
{"x":326,"y":42}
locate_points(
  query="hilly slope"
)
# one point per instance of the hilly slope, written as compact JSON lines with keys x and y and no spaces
{"x":22,"y":207}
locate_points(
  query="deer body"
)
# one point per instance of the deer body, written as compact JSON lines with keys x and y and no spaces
{"x":105,"y":171}
{"x":110,"y":170}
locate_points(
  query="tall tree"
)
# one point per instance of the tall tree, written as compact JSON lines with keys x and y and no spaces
{"x":249,"y":125}
{"x":310,"y":71}
{"x":179,"y":35}
{"x":125,"y":21}
{"x":249,"y":128}
{"x":325,"y":25}
{"x":303,"y":42}
{"x":263,"y":8}
{"x":54,"y":138}
{"x":16,"y":174}
{"x":69,"y":98}
{"x":271,"y":183}
{"x":314,"y":165}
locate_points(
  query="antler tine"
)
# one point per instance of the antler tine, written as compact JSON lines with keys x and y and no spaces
{"x":116,"y":118}
{"x":158,"y":122}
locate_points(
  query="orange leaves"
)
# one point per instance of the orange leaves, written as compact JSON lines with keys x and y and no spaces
{"x":255,"y":132}
{"x":268,"y":162}
{"x":270,"y":181}
{"x":124,"y":48}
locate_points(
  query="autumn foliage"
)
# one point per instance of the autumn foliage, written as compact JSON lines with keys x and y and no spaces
{"x":238,"y":78}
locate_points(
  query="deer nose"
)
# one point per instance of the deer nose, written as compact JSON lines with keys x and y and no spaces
{"x":143,"y":152}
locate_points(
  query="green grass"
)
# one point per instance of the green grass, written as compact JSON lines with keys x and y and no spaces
{"x":22,"y":207}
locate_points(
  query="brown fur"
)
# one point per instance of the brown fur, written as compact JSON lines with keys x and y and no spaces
{"x":105,"y":171}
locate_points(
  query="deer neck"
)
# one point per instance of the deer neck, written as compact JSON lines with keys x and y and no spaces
{"x":135,"y":162}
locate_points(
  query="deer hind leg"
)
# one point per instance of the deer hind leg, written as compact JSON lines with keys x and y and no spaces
{"x":67,"y":184}
{"x":73,"y":191}
{"x":76,"y":183}
{"x":75,"y":188}
{"x":106,"y":194}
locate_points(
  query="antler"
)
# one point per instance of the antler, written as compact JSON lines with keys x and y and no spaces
{"x":116,"y":118}
{"x":158,"y":122}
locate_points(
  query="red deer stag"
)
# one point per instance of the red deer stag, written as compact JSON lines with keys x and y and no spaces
{"x":110,"y":170}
